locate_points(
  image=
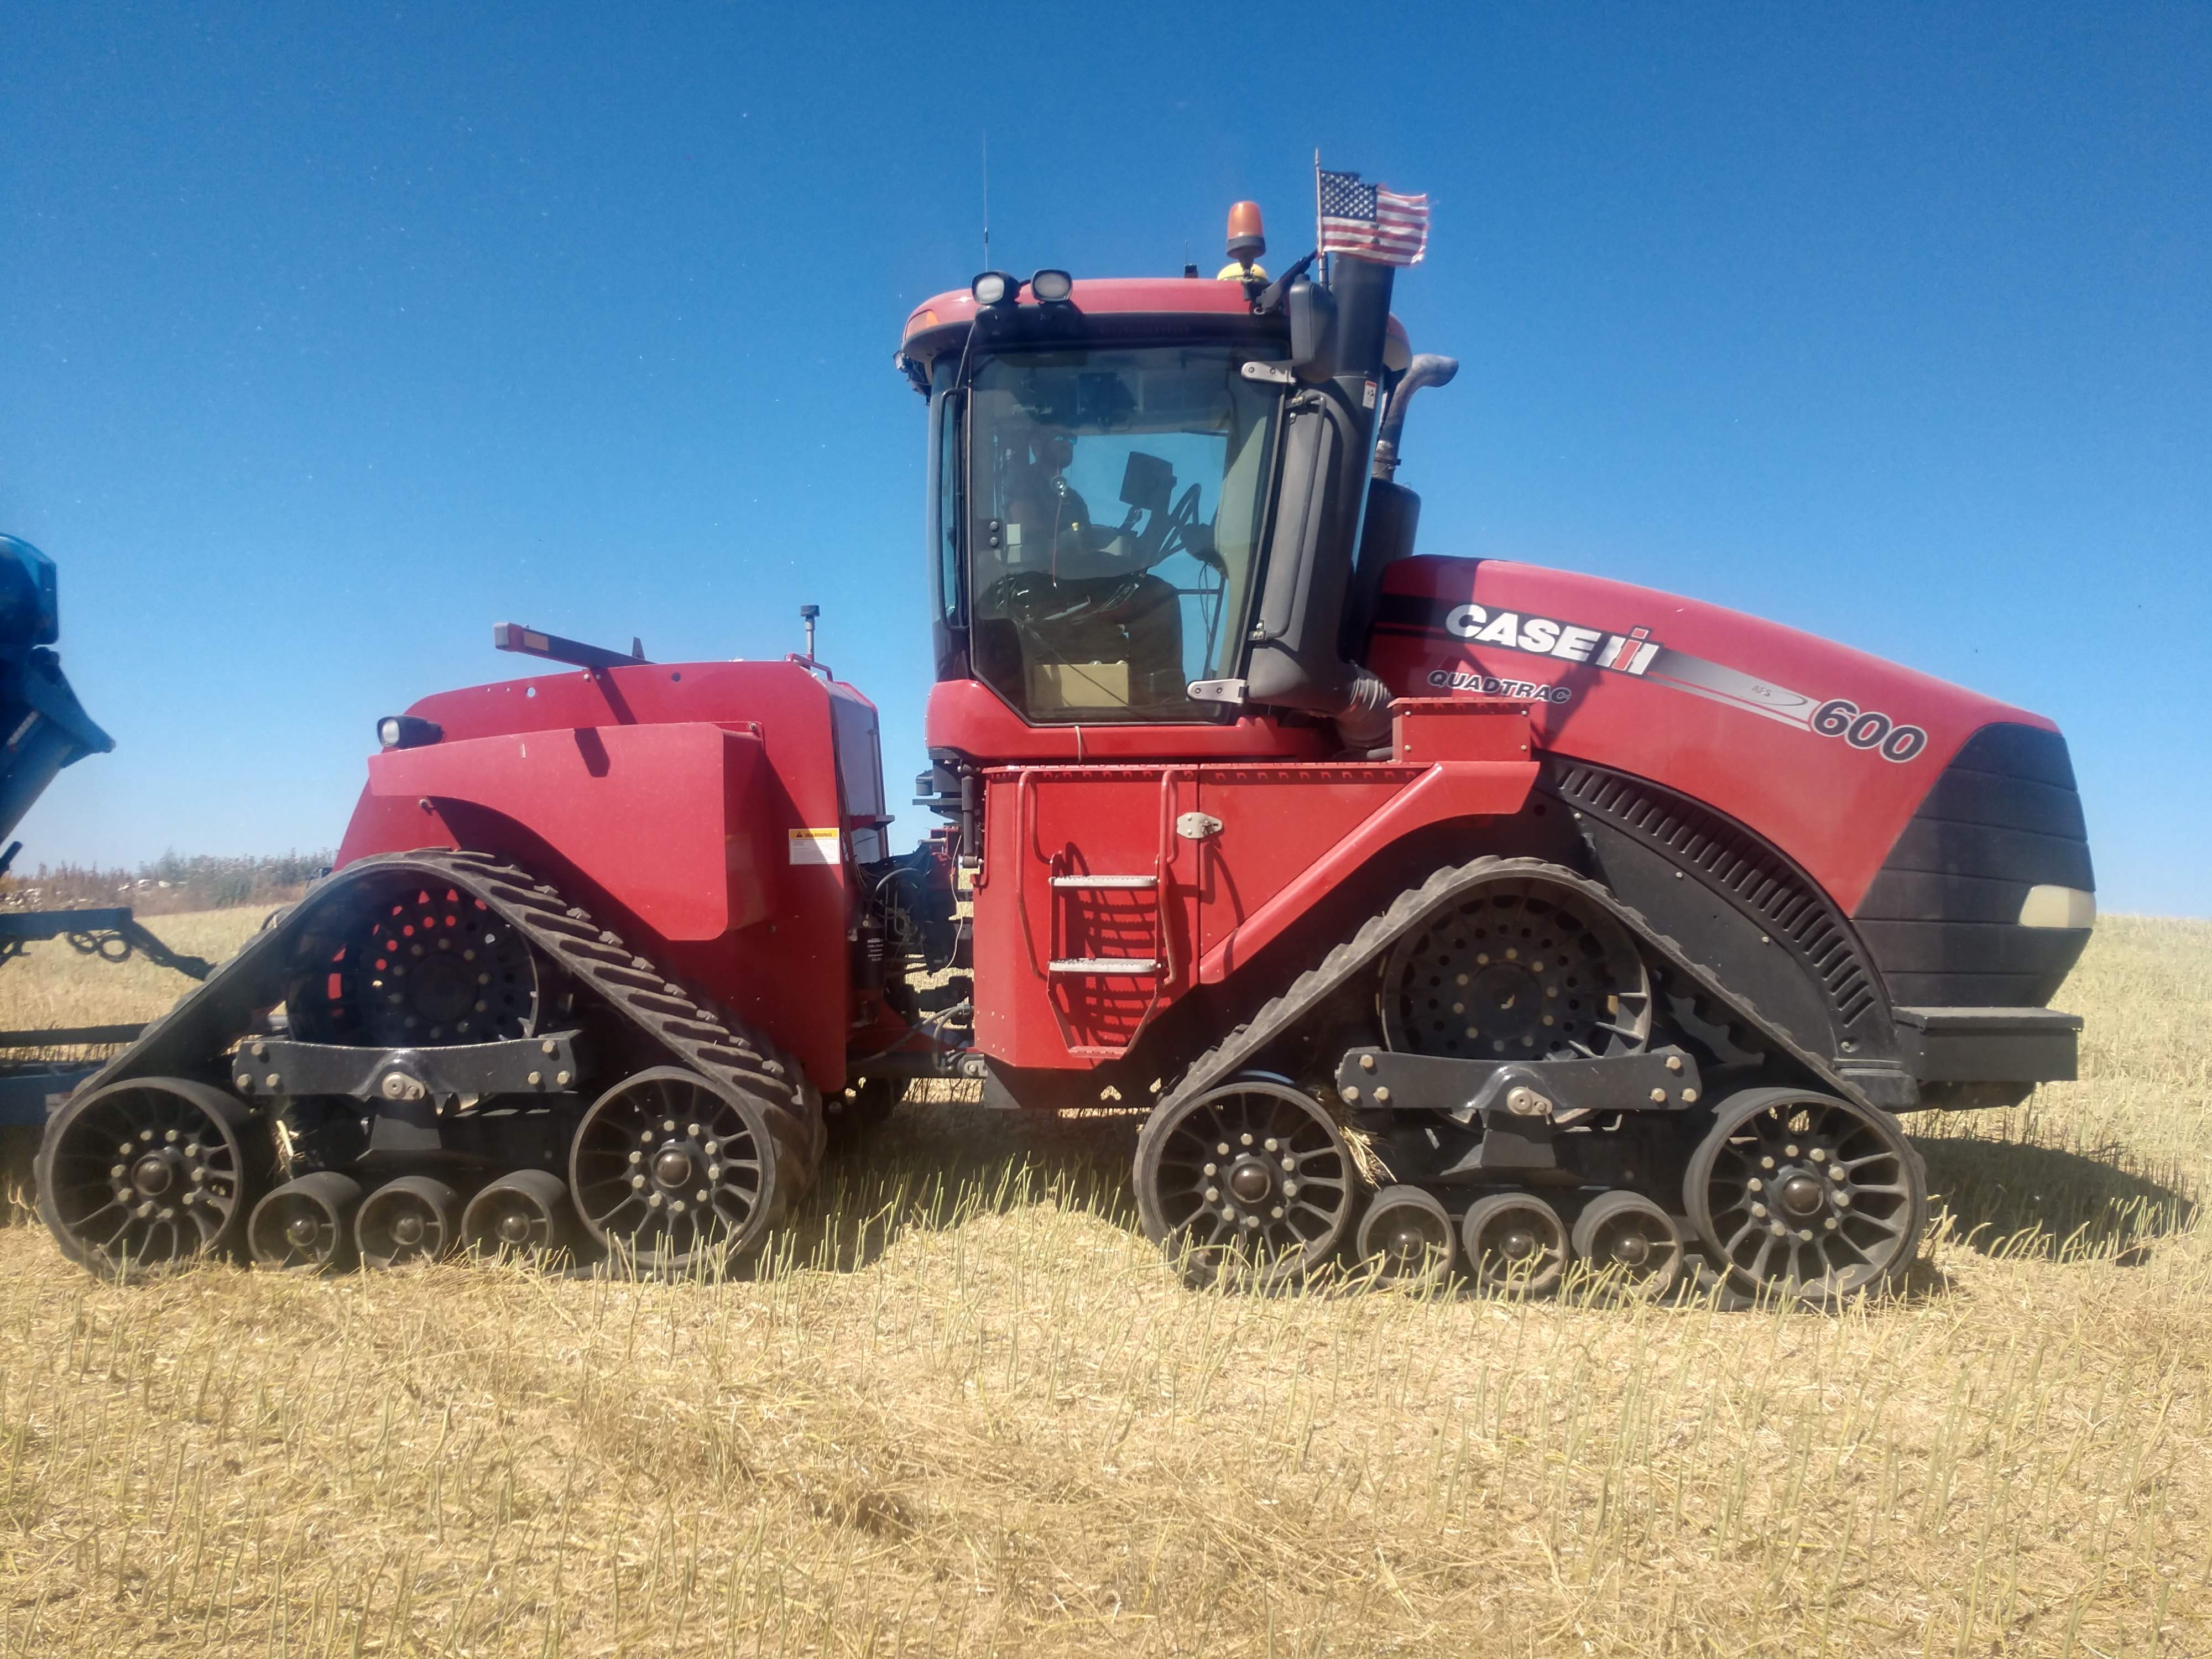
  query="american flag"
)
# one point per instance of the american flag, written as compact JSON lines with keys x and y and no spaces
{"x":1371,"y":222}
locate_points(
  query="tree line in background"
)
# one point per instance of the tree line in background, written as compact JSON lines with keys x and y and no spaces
{"x":168,"y":885}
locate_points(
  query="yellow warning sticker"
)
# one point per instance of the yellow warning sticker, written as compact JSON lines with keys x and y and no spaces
{"x":815,"y":847}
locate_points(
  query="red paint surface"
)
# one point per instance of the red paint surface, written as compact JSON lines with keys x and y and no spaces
{"x":660,"y":797}
{"x":1835,"y":809}
{"x":1288,"y":833}
{"x":967,"y":716}
{"x":1100,"y":296}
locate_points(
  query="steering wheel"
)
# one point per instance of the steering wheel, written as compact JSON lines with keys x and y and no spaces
{"x":1028,"y":598}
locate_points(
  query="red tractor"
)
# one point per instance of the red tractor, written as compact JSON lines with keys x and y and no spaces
{"x":1441,"y":911}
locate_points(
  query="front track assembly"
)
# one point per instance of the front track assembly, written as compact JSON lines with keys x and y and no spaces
{"x":1545,"y":1089}
{"x":472,"y":1061}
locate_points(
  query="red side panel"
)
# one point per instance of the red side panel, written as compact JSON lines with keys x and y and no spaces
{"x":698,"y":807}
{"x":1190,"y":870}
{"x":1823,"y":750}
{"x":702,"y":868}
{"x":967,"y":716}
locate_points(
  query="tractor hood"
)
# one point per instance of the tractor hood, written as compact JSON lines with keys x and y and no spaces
{"x":1825,"y":751}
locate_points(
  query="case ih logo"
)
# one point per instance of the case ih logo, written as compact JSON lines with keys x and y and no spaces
{"x":1631,"y":652}
{"x":1636,"y":652}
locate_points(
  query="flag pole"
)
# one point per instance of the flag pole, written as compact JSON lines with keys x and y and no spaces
{"x":1317,"y":236}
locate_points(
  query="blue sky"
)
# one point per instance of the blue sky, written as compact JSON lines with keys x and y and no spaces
{"x":330,"y":336}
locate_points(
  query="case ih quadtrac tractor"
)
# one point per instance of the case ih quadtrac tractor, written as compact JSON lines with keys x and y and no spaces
{"x":1441,"y":911}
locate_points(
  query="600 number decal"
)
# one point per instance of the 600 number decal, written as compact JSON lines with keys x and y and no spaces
{"x":1863,"y":728}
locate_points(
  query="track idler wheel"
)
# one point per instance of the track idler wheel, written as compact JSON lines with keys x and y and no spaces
{"x":305,"y":1226}
{"x":527,"y":1213}
{"x":1630,"y":1244}
{"x":1515,"y":1242}
{"x":1806,"y":1195}
{"x":145,"y":1176}
{"x":1406,"y":1238}
{"x":412,"y":1220}
{"x":672,"y":1171}
{"x":1251,"y":1181}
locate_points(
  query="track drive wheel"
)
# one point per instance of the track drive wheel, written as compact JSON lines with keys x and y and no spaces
{"x":1406,"y":1238}
{"x":146,"y":1176}
{"x":1801,"y":1194}
{"x":1520,"y":968}
{"x":1630,"y":1244}
{"x":672,"y":1172}
{"x":1515,"y":1242}
{"x":406,"y":960}
{"x":1249,"y":1183}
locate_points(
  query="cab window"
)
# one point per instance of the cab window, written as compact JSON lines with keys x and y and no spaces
{"x":1114,"y":508}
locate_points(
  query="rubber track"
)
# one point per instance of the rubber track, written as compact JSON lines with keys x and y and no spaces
{"x":707,"y":1040}
{"x":1414,"y":908}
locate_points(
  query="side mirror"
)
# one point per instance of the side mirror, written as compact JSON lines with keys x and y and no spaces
{"x":1313,"y":330}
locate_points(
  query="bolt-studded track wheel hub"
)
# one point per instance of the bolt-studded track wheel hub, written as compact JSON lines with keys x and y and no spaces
{"x":674,"y":1171}
{"x":1806,"y":1195}
{"x":144,"y":1175}
{"x":1252,"y":1180}
{"x":411,"y":963}
{"x":1519,"y":970}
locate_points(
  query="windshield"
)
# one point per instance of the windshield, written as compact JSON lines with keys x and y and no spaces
{"x":1114,"y":508}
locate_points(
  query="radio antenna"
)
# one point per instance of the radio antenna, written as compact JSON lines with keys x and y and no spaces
{"x":987,"y":198}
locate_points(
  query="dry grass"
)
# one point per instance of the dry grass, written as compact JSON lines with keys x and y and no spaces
{"x":969,"y":1412}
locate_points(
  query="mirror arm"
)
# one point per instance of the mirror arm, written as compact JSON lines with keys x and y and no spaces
{"x":1272,"y":296}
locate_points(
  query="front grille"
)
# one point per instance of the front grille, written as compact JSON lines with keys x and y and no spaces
{"x":1943,"y":916}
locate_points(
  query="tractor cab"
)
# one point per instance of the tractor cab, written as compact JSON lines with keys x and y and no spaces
{"x":1115,"y":466}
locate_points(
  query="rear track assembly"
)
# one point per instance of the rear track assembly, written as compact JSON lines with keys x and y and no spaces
{"x":181,"y":1054}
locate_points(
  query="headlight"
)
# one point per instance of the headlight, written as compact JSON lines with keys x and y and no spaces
{"x":406,"y":732}
{"x":1052,"y":286}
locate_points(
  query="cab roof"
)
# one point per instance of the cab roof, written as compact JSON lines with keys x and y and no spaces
{"x":942,"y":319}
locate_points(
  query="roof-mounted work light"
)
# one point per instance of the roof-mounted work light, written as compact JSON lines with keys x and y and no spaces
{"x":995,"y":287}
{"x":1053,"y":287}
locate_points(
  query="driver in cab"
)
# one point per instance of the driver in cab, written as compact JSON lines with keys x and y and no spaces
{"x":1091,"y":599}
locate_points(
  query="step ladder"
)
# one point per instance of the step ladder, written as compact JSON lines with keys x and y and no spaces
{"x":1155,"y":965}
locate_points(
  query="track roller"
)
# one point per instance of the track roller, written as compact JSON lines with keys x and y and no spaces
{"x":1805,"y":1195}
{"x":1406,"y":1238}
{"x":673,"y":1170}
{"x":145,"y":1175}
{"x":1632,"y":1243}
{"x":414,"y":1218}
{"x":1249,"y":1179}
{"x":305,"y":1226}
{"x":525,"y":1213}
{"x":1515,"y":1242}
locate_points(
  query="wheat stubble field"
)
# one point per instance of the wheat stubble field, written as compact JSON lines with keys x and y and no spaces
{"x":968,"y":1410}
